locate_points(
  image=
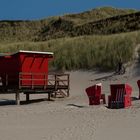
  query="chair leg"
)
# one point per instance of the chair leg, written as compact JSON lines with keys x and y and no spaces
{"x":103,"y":98}
{"x":17,"y":98}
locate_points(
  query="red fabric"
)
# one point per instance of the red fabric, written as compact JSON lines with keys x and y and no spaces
{"x":94,"y":94}
{"x":120,"y":96}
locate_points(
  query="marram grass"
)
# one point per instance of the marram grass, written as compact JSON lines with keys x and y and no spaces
{"x":85,"y":52}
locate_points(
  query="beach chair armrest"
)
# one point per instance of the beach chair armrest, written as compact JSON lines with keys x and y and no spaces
{"x":127,"y":100}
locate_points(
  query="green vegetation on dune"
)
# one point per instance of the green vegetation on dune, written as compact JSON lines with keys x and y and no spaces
{"x":97,"y":14}
{"x":96,"y":21}
{"x":89,"y":40}
{"x":60,"y":27}
{"x":85,"y":52}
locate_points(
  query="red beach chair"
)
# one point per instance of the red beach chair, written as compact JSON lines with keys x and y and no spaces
{"x":94,"y":94}
{"x":120,"y":96}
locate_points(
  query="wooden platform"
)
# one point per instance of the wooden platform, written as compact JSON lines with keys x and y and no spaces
{"x":37,"y":83}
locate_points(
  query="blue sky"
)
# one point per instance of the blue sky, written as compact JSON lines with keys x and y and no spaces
{"x":38,"y":9}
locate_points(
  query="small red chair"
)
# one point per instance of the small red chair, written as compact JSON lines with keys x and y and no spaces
{"x":94,"y":94}
{"x":138,"y":82}
{"x":120,"y":96}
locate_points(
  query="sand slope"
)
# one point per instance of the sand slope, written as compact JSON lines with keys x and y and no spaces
{"x":72,"y":118}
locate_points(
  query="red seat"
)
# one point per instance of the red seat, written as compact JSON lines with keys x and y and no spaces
{"x":120,"y":96}
{"x":94,"y":94}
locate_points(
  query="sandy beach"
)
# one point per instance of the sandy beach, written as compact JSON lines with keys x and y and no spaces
{"x":72,"y":118}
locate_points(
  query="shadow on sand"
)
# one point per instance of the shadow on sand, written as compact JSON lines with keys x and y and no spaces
{"x":4,"y":102}
{"x":74,"y":105}
{"x":105,"y":77}
{"x":134,"y":98}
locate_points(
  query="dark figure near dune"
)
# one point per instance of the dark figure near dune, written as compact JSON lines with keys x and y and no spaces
{"x":120,"y":68}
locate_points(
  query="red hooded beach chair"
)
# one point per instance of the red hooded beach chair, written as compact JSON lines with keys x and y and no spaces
{"x":94,"y":94}
{"x":120,"y":96}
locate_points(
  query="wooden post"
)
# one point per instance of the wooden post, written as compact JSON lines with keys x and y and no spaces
{"x":27,"y":97}
{"x":68,"y":94}
{"x":49,"y":96}
{"x":56,"y":82}
{"x":17,"y":98}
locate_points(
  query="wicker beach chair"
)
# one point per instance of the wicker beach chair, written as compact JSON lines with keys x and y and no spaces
{"x":120,"y":96}
{"x":95,"y":95}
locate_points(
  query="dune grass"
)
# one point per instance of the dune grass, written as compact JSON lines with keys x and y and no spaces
{"x":85,"y":52}
{"x":96,"y":14}
{"x":72,"y":25}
